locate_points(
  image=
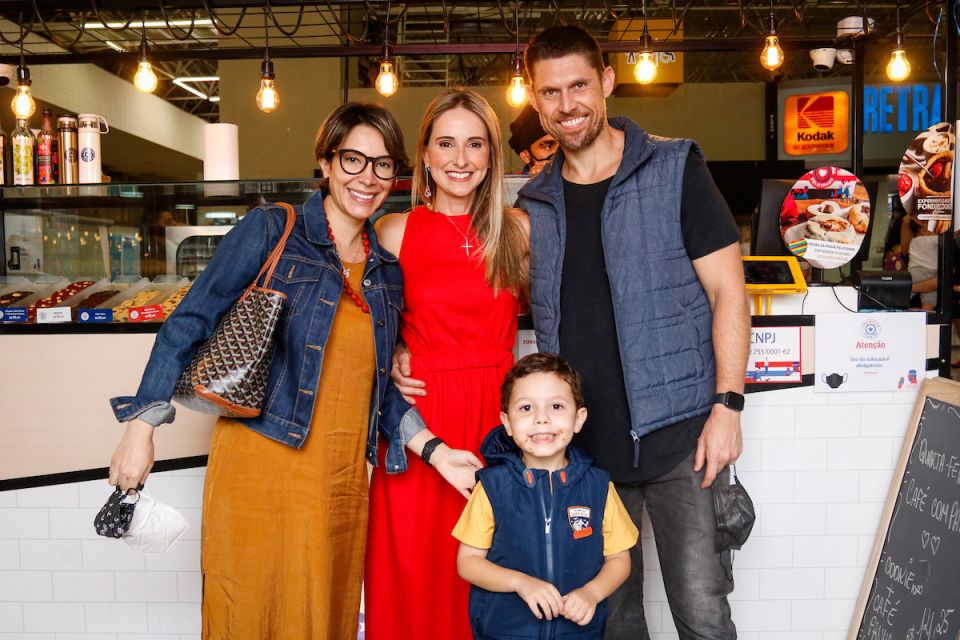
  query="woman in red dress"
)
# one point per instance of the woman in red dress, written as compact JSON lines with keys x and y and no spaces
{"x":464,"y":261}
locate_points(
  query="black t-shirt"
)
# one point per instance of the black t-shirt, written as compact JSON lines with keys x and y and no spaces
{"x":588,"y":333}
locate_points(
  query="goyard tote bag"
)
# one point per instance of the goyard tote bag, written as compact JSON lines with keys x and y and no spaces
{"x":228,"y":373}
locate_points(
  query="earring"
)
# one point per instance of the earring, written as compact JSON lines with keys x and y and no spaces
{"x":426,"y":189}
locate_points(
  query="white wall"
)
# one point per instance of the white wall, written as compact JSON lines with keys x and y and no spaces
{"x":818,"y":468}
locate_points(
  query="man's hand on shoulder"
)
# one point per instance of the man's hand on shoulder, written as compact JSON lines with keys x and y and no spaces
{"x":720,"y":443}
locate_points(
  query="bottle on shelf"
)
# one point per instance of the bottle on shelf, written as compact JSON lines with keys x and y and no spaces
{"x":23,"y":149}
{"x":68,"y":154}
{"x":91,"y":127}
{"x":48,"y":163}
{"x":4,"y":168}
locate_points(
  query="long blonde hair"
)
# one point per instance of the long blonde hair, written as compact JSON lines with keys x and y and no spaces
{"x":504,"y":239}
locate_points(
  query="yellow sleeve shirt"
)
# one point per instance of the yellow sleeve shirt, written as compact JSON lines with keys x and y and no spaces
{"x":475,"y":527}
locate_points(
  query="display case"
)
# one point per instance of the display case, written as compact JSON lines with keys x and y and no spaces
{"x":116,"y":255}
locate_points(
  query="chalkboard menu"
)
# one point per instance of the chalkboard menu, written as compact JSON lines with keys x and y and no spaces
{"x":912,"y":585}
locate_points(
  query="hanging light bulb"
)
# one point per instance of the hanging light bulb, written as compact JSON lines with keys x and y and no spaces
{"x":898,"y":69}
{"x":645,"y":71}
{"x":268,"y":99}
{"x":387,"y":82}
{"x":22,"y":103}
{"x":144,"y":79}
{"x":772,"y":55}
{"x":516,"y":92}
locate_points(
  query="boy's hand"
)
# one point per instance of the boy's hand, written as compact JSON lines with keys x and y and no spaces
{"x":579,"y":606}
{"x":540,"y":596}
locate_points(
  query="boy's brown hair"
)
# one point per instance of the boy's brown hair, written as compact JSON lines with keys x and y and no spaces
{"x":541,"y":363}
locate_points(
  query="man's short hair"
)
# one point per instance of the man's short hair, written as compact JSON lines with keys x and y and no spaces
{"x":541,"y":363}
{"x":560,"y":41}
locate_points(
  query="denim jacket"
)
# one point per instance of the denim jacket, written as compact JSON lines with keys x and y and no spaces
{"x":309,"y":273}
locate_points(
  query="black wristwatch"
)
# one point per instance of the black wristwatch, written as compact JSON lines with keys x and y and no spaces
{"x":428,"y":449}
{"x":730,"y":399}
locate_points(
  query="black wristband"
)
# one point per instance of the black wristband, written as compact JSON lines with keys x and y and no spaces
{"x":428,"y":449}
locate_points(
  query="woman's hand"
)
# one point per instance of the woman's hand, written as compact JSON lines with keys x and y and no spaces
{"x":133,"y":458}
{"x":400,"y":372}
{"x":458,"y":467}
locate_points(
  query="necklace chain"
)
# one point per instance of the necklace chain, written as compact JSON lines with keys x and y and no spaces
{"x":466,"y":246}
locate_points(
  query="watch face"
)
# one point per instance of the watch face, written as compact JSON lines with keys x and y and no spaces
{"x":731,"y":400}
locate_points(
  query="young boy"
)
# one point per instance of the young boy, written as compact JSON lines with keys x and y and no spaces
{"x":542,"y":523}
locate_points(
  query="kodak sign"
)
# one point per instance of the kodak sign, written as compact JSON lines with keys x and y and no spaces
{"x":816,"y":123}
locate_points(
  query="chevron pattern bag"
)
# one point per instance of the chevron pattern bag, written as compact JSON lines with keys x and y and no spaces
{"x":228,"y":373}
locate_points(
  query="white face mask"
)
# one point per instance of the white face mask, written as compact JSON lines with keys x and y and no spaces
{"x":155,"y":526}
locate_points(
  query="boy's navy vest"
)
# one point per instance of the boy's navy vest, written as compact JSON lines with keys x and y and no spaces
{"x":663,"y":318}
{"x":557,"y":538}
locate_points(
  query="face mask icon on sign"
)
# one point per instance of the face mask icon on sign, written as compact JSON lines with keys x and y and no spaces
{"x":833,"y":380}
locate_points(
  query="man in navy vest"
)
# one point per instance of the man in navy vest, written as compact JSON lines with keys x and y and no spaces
{"x":636,"y":279}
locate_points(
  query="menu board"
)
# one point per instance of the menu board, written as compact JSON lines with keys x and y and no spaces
{"x":926,"y":176}
{"x":825,"y":217}
{"x":912,"y":586}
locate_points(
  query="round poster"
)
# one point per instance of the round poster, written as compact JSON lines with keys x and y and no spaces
{"x":825,"y":217}
{"x":926,"y":176}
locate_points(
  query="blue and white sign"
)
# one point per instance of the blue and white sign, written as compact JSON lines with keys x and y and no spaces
{"x":870,"y":351}
{"x":13,"y":314}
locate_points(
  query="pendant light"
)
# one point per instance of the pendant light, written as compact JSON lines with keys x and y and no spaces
{"x":145,"y":79}
{"x":898,"y":69}
{"x":268,"y":99}
{"x":645,"y":71}
{"x":23,"y":104}
{"x":517,"y":92}
{"x":387,"y":82}
{"x":772,"y":55}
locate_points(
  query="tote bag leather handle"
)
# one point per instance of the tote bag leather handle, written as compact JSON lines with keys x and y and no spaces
{"x":274,"y":257}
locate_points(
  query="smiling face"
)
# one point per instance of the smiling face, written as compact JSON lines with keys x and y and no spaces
{"x":458,"y":157}
{"x":571,"y":97}
{"x":541,"y":418}
{"x":355,"y":197}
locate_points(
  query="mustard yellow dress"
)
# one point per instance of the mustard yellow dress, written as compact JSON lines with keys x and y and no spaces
{"x":284,"y":530}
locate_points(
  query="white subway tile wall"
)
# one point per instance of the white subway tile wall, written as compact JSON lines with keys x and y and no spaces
{"x":817,"y":465}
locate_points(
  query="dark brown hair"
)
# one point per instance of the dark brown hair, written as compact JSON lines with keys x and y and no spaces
{"x":560,"y":41}
{"x":541,"y":363}
{"x":342,"y":120}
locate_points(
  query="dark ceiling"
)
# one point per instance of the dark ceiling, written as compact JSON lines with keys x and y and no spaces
{"x":450,"y":43}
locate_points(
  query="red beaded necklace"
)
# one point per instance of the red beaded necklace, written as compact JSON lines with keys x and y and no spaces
{"x":346,"y":272}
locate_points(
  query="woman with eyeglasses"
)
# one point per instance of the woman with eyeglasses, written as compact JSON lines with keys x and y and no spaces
{"x":285,"y":503}
{"x":464,"y":261}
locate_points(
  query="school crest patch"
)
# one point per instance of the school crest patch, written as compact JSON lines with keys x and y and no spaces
{"x":579,"y":519}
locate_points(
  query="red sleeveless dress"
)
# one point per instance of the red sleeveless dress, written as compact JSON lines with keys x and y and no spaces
{"x":461,"y":340}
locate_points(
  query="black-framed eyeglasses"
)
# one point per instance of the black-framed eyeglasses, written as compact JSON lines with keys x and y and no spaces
{"x":354,"y":162}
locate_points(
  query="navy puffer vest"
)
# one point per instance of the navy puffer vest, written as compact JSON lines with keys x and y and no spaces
{"x":663,"y":317}
{"x":555,"y":537}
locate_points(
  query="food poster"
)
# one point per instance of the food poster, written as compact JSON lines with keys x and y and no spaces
{"x":926,"y":177}
{"x":23,"y":244}
{"x":825,"y":217}
{"x":870,"y":351}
